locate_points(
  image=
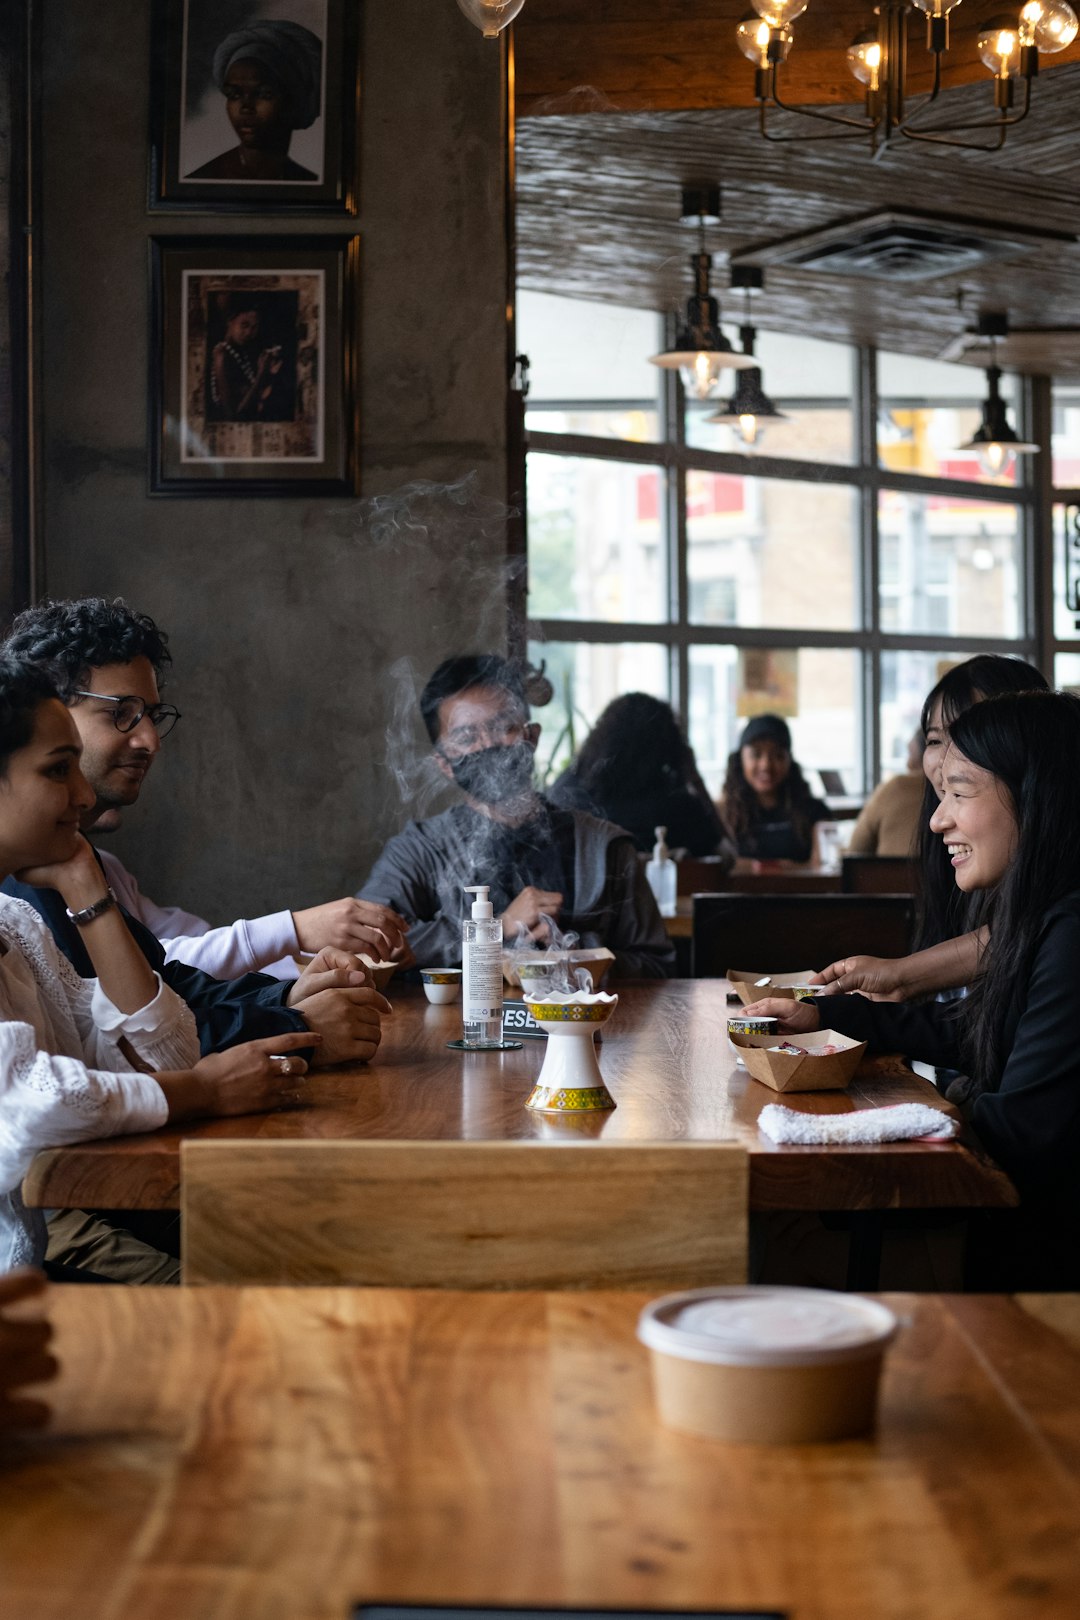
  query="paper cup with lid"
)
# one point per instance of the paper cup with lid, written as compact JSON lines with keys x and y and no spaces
{"x":771,"y":1366}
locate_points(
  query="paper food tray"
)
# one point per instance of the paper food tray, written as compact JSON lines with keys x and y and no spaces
{"x":779,"y":986}
{"x":783,"y":1071}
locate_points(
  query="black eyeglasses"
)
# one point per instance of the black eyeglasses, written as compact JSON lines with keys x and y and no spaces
{"x":129,"y":712}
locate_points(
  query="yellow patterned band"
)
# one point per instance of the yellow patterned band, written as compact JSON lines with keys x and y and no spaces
{"x":570,"y":1100}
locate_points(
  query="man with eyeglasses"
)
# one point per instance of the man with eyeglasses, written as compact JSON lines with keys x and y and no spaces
{"x":541,"y":862}
{"x":107,"y":662}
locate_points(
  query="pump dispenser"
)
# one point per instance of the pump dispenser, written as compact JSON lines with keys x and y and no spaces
{"x":661,"y":876}
{"x":481,"y":959}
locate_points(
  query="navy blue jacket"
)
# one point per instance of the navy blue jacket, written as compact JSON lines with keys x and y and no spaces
{"x":227,"y":1012}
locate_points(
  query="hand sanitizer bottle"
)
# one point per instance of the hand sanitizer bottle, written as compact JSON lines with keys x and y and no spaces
{"x":481,"y":960}
{"x":660,"y":875}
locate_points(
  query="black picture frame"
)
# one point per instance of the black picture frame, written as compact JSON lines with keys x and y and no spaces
{"x":253,"y":365}
{"x":190,"y":130}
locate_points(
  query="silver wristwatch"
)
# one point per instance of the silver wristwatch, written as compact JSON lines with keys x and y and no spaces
{"x":88,"y":913}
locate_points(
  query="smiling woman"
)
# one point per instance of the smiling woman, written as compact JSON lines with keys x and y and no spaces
{"x":766,"y":801}
{"x":1008,"y":818}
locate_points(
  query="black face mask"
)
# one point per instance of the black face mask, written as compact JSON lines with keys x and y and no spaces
{"x":496,"y":775}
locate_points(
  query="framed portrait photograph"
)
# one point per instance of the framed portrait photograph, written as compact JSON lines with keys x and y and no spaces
{"x":253,"y":106}
{"x":252,"y":365}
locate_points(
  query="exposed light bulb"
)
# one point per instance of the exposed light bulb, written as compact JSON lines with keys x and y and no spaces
{"x":995,"y":459}
{"x":778,"y":13}
{"x":936,"y":8}
{"x":1049,"y":25}
{"x":752,"y":35}
{"x":491,"y":16}
{"x":749,"y":429}
{"x":864,"y":58}
{"x":999,"y":47}
{"x":702,"y":372}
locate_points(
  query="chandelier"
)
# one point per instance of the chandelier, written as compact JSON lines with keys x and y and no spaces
{"x":1008,"y":45}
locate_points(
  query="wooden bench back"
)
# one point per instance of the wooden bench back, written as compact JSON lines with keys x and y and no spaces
{"x":465,"y":1214}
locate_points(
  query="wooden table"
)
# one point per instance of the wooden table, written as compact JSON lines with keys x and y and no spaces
{"x":219,"y":1454}
{"x":667,"y":1060}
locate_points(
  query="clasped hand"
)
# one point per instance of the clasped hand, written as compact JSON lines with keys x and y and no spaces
{"x":335,"y":997}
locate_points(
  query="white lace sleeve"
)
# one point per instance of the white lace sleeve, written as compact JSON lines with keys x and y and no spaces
{"x":163,"y":1033}
{"x":46,"y":1101}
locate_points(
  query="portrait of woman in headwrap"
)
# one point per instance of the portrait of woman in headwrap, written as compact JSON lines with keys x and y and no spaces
{"x":270,"y":75}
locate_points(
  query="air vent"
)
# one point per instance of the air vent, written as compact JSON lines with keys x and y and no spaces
{"x":899,"y":246}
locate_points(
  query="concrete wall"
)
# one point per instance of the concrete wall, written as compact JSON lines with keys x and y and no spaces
{"x":288,"y":618}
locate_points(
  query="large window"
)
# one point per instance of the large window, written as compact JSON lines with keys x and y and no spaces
{"x":832,"y":573}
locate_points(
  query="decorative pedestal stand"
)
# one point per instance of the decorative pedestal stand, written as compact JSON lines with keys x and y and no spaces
{"x":570,"y":1080}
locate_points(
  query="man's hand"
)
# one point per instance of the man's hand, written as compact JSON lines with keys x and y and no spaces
{"x":353,"y":925}
{"x":330,"y":970}
{"x":793,"y":1017}
{"x":525,"y":912}
{"x":348,"y":1022}
{"x":873,"y":976}
{"x":253,"y":1078}
{"x":24,"y":1354}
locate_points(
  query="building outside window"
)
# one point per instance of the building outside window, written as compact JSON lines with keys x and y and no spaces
{"x":831,"y":574}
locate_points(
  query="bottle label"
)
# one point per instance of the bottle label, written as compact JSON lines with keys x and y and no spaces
{"x":482,"y":988}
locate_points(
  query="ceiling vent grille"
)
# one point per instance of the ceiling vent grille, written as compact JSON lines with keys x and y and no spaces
{"x":895,"y":245}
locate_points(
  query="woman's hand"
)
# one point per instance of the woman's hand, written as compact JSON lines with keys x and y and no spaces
{"x":877,"y":977}
{"x":793,"y":1017}
{"x":79,"y":880}
{"x":250,"y":1079}
{"x":24,"y":1354}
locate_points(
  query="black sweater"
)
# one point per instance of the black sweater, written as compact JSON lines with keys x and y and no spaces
{"x":1030,"y":1121}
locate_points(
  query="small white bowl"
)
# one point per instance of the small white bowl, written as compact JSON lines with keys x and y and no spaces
{"x":441,"y":984}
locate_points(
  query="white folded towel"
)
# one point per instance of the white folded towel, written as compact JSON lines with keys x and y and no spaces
{"x":898,"y":1123}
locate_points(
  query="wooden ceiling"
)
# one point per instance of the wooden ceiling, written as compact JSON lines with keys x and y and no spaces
{"x":622,"y":102}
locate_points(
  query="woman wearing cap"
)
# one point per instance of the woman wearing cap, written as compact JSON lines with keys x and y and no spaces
{"x":270,"y":74}
{"x":766,"y":801}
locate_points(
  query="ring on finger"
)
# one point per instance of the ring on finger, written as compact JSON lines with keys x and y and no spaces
{"x":283,"y":1065}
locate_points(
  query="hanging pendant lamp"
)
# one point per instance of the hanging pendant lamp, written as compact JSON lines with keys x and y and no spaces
{"x":701,"y":352}
{"x":749,"y":410}
{"x":491,"y":16}
{"x":996,"y":442}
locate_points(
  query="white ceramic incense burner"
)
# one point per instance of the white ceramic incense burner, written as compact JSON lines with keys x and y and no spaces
{"x":570,"y":1080}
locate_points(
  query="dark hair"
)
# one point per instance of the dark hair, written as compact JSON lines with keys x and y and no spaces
{"x":23,"y":689}
{"x":635,"y":748}
{"x":71,"y":639}
{"x":741,"y":810}
{"x":468,"y":670}
{"x":1030,"y":741}
{"x":942,"y":910}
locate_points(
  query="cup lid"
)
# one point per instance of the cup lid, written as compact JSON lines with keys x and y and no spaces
{"x":766,"y":1327}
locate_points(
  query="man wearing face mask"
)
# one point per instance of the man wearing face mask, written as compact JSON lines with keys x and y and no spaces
{"x":540,"y":861}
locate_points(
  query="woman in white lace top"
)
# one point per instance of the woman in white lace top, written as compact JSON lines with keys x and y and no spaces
{"x":83,"y":1058}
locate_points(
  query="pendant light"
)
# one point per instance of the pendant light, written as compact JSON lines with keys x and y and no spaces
{"x":996,"y":442}
{"x":749,"y":410}
{"x":491,"y":16}
{"x":701,"y":352}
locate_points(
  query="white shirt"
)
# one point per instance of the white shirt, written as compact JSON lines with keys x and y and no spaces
{"x":252,"y":945}
{"x":63,"y":1077}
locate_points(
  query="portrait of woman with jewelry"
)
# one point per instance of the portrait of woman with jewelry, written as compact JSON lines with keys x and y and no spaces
{"x":251,"y":366}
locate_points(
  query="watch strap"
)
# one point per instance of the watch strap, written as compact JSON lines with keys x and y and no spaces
{"x":88,"y":913}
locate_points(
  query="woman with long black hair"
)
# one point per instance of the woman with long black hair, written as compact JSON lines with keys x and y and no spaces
{"x":766,"y":801}
{"x":1009,"y":827}
{"x":948,"y":932}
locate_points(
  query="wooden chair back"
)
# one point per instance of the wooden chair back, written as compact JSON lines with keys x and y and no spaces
{"x":877,"y":874}
{"x":464,"y":1214}
{"x":781,"y":933}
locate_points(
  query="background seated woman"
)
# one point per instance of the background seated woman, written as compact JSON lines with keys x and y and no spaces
{"x":1008,"y":821}
{"x":766,"y":801}
{"x":638,"y":770}
{"x":82,"y":1058}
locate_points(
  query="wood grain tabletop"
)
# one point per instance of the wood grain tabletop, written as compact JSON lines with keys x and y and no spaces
{"x":280,"y":1454}
{"x":667,"y":1061}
